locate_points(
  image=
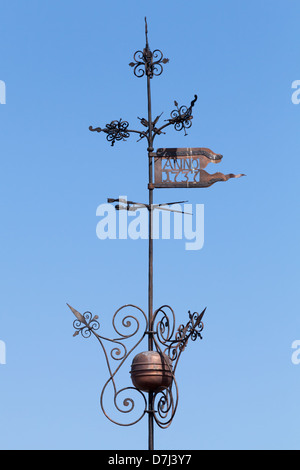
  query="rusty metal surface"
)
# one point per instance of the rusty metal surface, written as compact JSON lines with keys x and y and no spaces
{"x":151,"y":372}
{"x":205,"y":180}
{"x":184,"y":168}
{"x":203,"y":154}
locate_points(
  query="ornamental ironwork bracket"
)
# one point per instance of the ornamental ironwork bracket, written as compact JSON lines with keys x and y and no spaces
{"x":169,"y":343}
{"x":149,"y":64}
{"x":118,"y":130}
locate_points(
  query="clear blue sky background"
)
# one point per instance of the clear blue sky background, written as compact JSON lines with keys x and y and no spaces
{"x":65,"y":65}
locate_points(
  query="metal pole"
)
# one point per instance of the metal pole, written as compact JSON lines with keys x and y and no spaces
{"x":150,"y":150}
{"x":150,"y":264}
{"x":150,"y":275}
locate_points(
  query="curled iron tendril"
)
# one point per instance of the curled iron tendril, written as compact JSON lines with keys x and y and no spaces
{"x":176,"y":343}
{"x":182,"y":117}
{"x":116,"y":131}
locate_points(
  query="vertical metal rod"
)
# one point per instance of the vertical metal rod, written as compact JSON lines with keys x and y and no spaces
{"x":150,"y":149}
{"x":150,"y":274}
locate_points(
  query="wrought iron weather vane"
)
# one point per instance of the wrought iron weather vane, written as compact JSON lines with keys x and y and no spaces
{"x":154,"y":384}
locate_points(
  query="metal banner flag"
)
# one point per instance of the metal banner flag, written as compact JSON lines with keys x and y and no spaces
{"x":184,"y":168}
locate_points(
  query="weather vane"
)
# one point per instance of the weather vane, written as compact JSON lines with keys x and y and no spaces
{"x":154,"y":389}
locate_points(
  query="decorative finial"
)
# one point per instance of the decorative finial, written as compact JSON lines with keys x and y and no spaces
{"x":146,"y":32}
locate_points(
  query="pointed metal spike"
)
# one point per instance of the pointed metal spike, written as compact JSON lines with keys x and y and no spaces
{"x":170,"y":203}
{"x":202,"y":315}
{"x":77,"y":314}
{"x":146,"y":32}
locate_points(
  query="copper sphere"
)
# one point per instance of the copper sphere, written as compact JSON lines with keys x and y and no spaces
{"x":151,"y":371}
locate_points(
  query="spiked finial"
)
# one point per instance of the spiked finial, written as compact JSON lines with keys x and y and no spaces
{"x":146,"y":33}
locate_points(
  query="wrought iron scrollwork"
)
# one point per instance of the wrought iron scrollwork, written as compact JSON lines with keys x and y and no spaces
{"x":148,"y":62}
{"x":86,"y":324}
{"x":167,"y":342}
{"x":172,"y":344}
{"x":182,"y":116}
{"x":127,"y":326}
{"x":116,"y":131}
{"x":192,"y":330}
{"x":166,"y":402}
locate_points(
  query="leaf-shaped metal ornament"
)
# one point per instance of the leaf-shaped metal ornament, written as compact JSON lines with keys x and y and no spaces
{"x":199,"y":319}
{"x":77,"y":314}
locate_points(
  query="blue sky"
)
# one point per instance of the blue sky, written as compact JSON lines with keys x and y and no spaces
{"x":65,"y":66}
